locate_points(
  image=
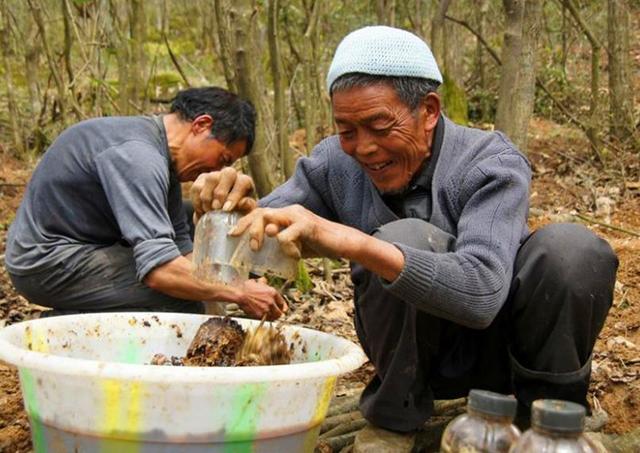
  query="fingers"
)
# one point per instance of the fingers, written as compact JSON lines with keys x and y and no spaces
{"x":262,"y":300}
{"x":225,"y":189}
{"x":253,"y":223}
{"x":290,"y":240}
{"x":202,"y":192}
{"x":227,"y":179}
{"x":282,"y":303}
{"x":246,"y":205}
{"x":242,"y":187}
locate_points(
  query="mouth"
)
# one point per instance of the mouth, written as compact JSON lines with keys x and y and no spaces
{"x":378,"y":167}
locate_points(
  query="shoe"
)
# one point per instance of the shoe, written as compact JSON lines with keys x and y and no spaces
{"x":373,"y":439}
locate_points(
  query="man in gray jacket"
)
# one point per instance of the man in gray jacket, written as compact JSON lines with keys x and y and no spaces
{"x":102,"y":226}
{"x":451,"y":290}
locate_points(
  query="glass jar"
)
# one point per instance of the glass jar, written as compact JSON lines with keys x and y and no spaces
{"x":486,"y":427}
{"x":556,"y":426}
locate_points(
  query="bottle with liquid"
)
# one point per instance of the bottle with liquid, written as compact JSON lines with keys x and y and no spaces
{"x":486,"y":427}
{"x":556,"y":426}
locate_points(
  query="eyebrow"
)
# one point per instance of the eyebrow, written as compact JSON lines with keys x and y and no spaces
{"x":367,"y":119}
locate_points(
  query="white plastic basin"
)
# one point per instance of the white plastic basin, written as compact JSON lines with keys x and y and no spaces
{"x":86,"y":387}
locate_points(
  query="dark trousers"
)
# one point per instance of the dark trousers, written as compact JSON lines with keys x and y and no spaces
{"x":100,"y":280}
{"x":538,"y":346}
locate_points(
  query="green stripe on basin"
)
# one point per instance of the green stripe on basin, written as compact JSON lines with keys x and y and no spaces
{"x":241,"y":427}
{"x":31,"y":406}
{"x":130,"y":352}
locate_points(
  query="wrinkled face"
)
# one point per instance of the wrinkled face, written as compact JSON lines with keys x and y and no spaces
{"x":202,"y":153}
{"x":387,"y":139}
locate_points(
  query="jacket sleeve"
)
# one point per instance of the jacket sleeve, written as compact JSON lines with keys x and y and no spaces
{"x":470,"y":284}
{"x":309,"y":185}
{"x":135,"y":179}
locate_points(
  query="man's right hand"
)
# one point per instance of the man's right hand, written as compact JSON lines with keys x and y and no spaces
{"x":259,"y":299}
{"x":227,"y":189}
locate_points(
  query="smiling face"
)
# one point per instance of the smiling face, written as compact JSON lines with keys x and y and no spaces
{"x":200,"y":152}
{"x":387,"y":139}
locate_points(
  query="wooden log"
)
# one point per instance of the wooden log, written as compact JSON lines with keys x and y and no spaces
{"x":332,"y":422}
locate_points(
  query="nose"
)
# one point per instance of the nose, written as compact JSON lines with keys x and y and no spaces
{"x":366,"y":144}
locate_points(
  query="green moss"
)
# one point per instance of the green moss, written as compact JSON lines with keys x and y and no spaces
{"x":454,"y":101}
{"x":303,"y":280}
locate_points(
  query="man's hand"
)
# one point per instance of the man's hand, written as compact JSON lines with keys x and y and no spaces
{"x":226,"y":189}
{"x":259,"y":299}
{"x":299,"y":231}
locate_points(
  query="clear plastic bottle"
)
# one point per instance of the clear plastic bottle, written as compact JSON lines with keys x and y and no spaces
{"x":220,"y":258}
{"x":486,"y":427}
{"x":556,"y":426}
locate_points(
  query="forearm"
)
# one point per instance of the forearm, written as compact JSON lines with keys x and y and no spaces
{"x":380,"y":257}
{"x":174,"y":278}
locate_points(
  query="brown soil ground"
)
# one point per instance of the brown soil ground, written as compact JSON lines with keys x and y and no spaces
{"x":567,"y":183}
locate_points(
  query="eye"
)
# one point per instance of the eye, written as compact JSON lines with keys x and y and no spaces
{"x":346,"y":134}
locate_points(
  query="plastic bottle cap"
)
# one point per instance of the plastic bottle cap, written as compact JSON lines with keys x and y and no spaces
{"x":492,"y":403}
{"x":558,"y":415}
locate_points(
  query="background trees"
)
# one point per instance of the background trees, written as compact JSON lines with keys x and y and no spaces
{"x":65,"y":60}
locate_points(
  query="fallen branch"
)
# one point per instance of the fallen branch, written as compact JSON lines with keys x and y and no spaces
{"x":606,"y":225}
{"x":344,"y":428}
{"x":339,"y":442}
{"x":336,"y":420}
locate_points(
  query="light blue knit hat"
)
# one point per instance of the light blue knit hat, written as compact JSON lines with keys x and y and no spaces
{"x":382,"y":50}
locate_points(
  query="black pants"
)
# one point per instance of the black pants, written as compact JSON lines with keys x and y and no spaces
{"x":101,"y":280}
{"x":538,"y":346}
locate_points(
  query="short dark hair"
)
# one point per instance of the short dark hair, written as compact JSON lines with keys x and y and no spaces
{"x":410,"y":90}
{"x":233,"y":118}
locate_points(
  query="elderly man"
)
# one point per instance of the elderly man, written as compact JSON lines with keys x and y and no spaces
{"x":102,"y":226}
{"x":451,"y":291}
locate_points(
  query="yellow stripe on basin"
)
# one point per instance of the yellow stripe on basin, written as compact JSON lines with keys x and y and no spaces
{"x":35,"y":340}
{"x":122,"y":410}
{"x":323,"y":401}
{"x":319,"y":413}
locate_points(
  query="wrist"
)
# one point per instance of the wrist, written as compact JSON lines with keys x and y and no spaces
{"x":229,"y":294}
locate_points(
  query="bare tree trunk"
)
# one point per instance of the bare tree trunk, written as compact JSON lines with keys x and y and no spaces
{"x":31,"y":65}
{"x":243,"y":16}
{"x":287,"y":159}
{"x":437,"y":32}
{"x":594,"y":105}
{"x":226,"y":43}
{"x":309,"y":68}
{"x":36,"y":10}
{"x":135,"y":81}
{"x":14,"y":114}
{"x":620,"y":98}
{"x":386,"y":12}
{"x":481,"y":9}
{"x":517,"y":78}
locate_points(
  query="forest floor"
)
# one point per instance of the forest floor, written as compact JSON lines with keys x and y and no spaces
{"x":567,"y":186}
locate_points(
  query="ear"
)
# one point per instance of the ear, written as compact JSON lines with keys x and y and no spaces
{"x":201,"y":124}
{"x":431,"y":112}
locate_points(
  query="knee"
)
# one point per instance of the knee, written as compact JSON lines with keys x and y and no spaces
{"x":417,"y":234}
{"x":575,"y":256}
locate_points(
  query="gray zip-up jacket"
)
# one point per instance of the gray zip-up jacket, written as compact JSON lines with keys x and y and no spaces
{"x":479,"y":193}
